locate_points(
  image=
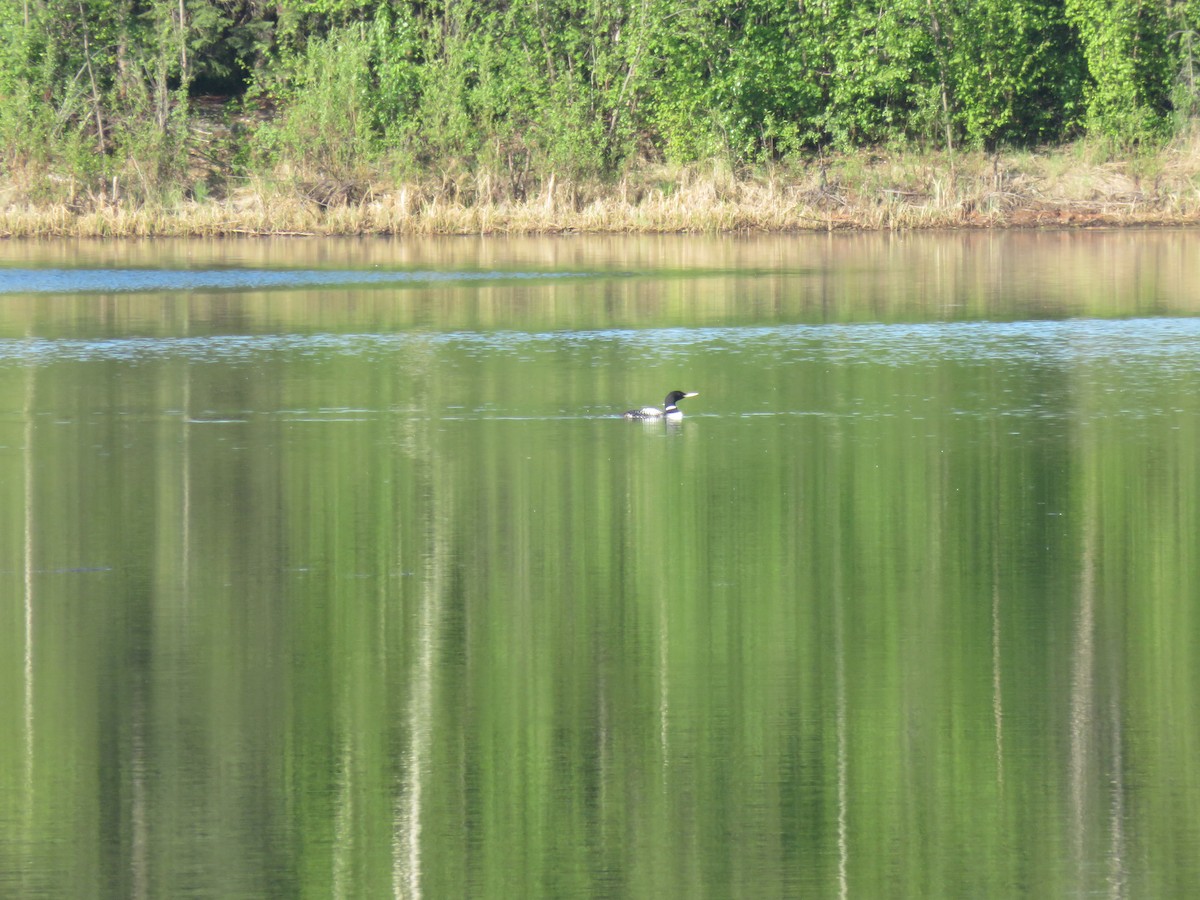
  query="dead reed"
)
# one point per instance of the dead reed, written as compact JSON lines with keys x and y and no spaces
{"x":1073,"y":186}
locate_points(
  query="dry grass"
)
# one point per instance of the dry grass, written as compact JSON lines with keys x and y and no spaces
{"x":1072,"y":187}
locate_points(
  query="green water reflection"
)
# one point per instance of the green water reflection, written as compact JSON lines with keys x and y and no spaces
{"x":368,"y":592}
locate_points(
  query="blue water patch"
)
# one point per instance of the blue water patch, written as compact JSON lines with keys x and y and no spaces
{"x":72,"y":281}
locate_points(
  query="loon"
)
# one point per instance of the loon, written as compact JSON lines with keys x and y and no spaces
{"x":669,"y":410}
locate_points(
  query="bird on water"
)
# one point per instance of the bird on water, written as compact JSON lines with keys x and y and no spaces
{"x":669,"y":411}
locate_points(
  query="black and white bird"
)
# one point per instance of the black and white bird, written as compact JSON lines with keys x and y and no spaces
{"x":669,"y":411}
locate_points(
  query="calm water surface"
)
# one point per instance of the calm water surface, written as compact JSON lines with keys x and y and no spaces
{"x":327,"y":568}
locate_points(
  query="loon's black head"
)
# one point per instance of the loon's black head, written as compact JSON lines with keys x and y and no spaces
{"x":675,"y":396}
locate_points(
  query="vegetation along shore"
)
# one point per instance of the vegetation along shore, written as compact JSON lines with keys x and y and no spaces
{"x":146,"y":117}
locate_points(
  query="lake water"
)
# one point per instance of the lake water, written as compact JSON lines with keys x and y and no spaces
{"x":328,"y":568}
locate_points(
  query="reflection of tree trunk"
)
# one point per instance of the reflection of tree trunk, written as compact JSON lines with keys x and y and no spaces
{"x":186,"y":466}
{"x":140,"y":857}
{"x":839,"y":650}
{"x":1083,"y":687}
{"x":664,"y":685}
{"x":1116,"y":853}
{"x":997,"y":681}
{"x":343,"y":814}
{"x":28,"y":573}
{"x":406,"y":825}
{"x":839,"y":660}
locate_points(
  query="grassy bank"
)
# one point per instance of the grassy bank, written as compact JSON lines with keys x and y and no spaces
{"x":1076,"y":186}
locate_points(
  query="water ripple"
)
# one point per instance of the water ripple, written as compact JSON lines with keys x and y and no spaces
{"x":1117,"y":342}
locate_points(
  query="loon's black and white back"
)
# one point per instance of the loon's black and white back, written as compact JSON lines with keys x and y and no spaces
{"x":669,"y":410}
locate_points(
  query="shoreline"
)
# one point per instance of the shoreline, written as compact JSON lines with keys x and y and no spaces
{"x":121,"y":222}
{"x":861,"y":192}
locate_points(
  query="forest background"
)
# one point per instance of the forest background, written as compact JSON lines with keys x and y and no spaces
{"x":167,"y":116}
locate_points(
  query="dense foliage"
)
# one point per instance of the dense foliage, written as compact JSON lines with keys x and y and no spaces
{"x":104,"y":92}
